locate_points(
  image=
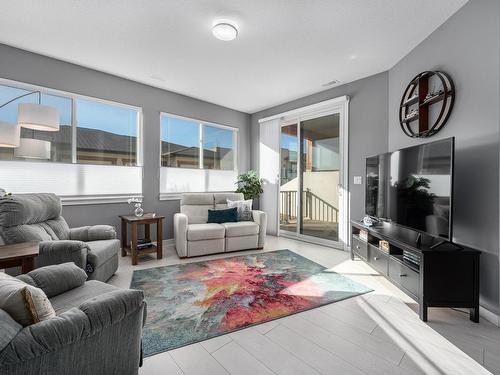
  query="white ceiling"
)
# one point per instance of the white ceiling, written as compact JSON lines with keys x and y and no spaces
{"x":286,"y":49}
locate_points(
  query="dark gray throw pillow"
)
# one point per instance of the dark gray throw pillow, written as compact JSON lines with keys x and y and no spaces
{"x":229,"y":215}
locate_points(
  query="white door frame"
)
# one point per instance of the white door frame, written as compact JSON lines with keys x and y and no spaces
{"x":337,"y":105}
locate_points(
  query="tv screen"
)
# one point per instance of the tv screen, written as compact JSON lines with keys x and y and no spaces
{"x":413,"y":187}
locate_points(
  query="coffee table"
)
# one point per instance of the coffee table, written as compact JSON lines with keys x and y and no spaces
{"x":19,"y":254}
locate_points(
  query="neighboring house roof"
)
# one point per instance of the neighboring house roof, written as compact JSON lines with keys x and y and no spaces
{"x":94,"y":139}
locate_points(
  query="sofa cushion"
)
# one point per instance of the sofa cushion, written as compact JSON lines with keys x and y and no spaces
{"x":56,"y":279}
{"x":221,"y":198}
{"x":197,"y":199}
{"x":25,"y":233}
{"x":223,"y":216}
{"x":59,"y":227}
{"x":197,"y":232}
{"x":244,"y":209}
{"x":196,"y":214}
{"x":241,"y":228}
{"x":75,"y":297}
{"x":19,"y":209}
{"x":24,"y":303}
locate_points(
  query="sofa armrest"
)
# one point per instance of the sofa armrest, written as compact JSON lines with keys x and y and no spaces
{"x":260,"y":217}
{"x":180,"y":234}
{"x":56,"y":279}
{"x":63,"y":251}
{"x":109,"y":308}
{"x":93,"y":233}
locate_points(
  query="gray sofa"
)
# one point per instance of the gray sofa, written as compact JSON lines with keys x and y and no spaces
{"x":37,"y":217}
{"x":194,"y":236}
{"x":97,"y":329}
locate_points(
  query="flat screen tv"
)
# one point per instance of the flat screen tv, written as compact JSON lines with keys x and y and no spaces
{"x":413,"y":187}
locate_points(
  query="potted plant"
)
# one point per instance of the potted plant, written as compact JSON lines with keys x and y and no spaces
{"x":250,"y":185}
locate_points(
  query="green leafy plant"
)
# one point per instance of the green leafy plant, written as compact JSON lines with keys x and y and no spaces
{"x":250,"y":185}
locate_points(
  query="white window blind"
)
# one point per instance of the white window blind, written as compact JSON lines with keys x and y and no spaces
{"x":102,"y":182}
{"x":182,"y":180}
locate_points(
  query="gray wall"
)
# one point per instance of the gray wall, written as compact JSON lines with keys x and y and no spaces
{"x":367,"y":127}
{"x":36,"y":69}
{"x":466,"y":47}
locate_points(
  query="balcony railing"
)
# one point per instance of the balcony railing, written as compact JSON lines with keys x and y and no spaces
{"x":314,"y":208}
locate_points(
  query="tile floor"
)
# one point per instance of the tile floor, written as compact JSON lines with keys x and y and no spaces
{"x":377,"y":333}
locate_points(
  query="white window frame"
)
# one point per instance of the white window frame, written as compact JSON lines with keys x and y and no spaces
{"x":177,"y":195}
{"x":85,"y":199}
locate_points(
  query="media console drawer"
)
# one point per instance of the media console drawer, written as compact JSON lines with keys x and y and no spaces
{"x":378,"y":260}
{"x":404,"y":276}
{"x":360,"y":247}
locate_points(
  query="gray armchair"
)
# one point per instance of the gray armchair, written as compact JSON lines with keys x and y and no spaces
{"x":37,"y":217}
{"x":97,"y":329}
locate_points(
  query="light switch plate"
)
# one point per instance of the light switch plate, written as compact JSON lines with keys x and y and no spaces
{"x":358,"y":180}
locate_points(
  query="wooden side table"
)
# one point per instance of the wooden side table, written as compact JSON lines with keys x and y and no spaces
{"x":146,"y":220}
{"x":19,"y":254}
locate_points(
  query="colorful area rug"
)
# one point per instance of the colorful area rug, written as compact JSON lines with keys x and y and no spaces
{"x":193,"y":302}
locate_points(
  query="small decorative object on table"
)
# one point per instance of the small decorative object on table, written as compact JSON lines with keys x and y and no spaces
{"x":367,"y":220}
{"x":363,"y":234}
{"x":139,"y":211}
{"x":384,"y":246}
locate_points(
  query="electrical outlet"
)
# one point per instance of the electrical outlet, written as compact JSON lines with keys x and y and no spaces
{"x":358,"y":180}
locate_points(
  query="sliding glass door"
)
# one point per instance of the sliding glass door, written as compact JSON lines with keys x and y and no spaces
{"x":311,"y":178}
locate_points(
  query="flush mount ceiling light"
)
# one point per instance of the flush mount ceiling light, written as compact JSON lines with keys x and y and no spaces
{"x":225,"y":31}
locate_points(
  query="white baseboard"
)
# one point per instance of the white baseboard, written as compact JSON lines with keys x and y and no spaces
{"x":489,"y":316}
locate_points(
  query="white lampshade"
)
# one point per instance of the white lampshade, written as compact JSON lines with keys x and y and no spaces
{"x":38,"y":117}
{"x":32,"y":149}
{"x":9,"y":134}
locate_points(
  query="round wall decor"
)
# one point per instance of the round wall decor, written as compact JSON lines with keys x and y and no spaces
{"x":426,"y":104}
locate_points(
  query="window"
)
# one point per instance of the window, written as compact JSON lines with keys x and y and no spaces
{"x":95,"y":153}
{"x":180,"y":145}
{"x":106,"y":134}
{"x":196,"y":156}
{"x":187,"y":143}
{"x":218,"y":149}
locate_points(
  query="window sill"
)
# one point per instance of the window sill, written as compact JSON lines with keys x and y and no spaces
{"x":79,"y":200}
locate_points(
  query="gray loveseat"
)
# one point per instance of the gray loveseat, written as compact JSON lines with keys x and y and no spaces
{"x":37,"y":217}
{"x":97,"y":328}
{"x":195,"y":237}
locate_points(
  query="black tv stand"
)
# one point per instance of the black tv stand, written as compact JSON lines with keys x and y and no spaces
{"x":432,"y":275}
{"x":440,"y":243}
